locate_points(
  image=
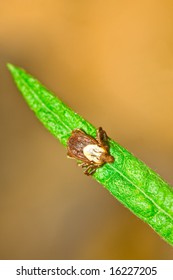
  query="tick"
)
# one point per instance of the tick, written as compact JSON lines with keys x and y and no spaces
{"x":92,"y":153}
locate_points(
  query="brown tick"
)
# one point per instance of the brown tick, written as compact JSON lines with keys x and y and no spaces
{"x":92,"y":152}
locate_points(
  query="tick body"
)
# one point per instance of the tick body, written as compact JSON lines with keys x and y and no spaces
{"x":92,"y":153}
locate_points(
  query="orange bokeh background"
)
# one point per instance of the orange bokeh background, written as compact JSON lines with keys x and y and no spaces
{"x":112,"y":62}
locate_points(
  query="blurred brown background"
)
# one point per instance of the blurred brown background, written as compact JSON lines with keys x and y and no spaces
{"x":112,"y":62}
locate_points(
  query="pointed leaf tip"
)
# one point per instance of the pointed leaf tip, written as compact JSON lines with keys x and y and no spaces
{"x":11,"y":67}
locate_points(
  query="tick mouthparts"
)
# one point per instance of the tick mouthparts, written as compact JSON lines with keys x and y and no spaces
{"x":109,"y":158}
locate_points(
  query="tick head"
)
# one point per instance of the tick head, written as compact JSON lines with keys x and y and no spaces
{"x":108,"y":158}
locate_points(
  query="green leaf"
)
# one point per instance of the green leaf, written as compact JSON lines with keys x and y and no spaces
{"x":128,"y":179}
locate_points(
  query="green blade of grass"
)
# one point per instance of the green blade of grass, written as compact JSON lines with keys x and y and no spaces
{"x":128,"y":179}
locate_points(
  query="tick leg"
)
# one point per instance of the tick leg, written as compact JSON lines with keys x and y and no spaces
{"x":86,"y":165}
{"x":78,"y":130}
{"x":101,"y":136}
{"x":90,"y":170}
{"x":83,"y":164}
{"x":69,"y":155}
